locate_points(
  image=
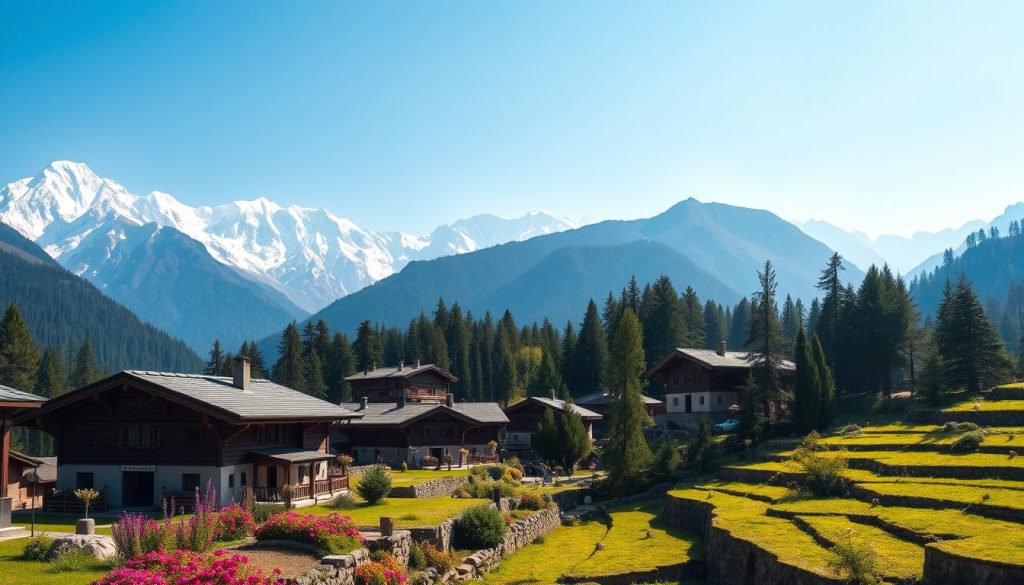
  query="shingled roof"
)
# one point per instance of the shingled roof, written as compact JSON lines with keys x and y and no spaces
{"x":557,"y":405}
{"x":605,"y":398}
{"x":729,"y":360}
{"x":402,"y":371}
{"x":262,"y":401}
{"x":8,"y":394}
{"x":390,"y":413}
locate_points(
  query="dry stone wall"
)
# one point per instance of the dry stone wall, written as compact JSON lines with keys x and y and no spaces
{"x":432,"y":488}
{"x":943,"y":568}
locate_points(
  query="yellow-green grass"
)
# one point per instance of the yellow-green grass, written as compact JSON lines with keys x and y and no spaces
{"x":406,"y":511}
{"x":867,"y":476}
{"x":929,"y":458}
{"x":55,"y":522}
{"x":571,"y":550}
{"x":14,"y":571}
{"x":1013,"y":386}
{"x":900,"y":427}
{"x":756,"y":491}
{"x":960,"y":494}
{"x":986,"y":406}
{"x":746,"y":519}
{"x":414,"y":476}
{"x":897,"y":558}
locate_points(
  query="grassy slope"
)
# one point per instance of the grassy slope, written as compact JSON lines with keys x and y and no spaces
{"x":897,"y":559}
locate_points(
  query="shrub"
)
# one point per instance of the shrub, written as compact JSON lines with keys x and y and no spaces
{"x":197,"y":533}
{"x":960,"y":427}
{"x":343,"y":502}
{"x":888,"y":405}
{"x":429,"y":461}
{"x":37,"y":549}
{"x":72,"y":560}
{"x":344,"y":462}
{"x":260,"y":512}
{"x":532,"y":501}
{"x":332,"y":534}
{"x":417,"y":558}
{"x":967,"y":442}
{"x":824,"y":473}
{"x":484,"y":488}
{"x":1013,"y":454}
{"x":384,"y":572}
{"x":188,"y":567}
{"x":851,"y":430}
{"x":511,"y":473}
{"x":516,"y":463}
{"x":539,"y":539}
{"x":233,"y":523}
{"x":405,"y":467}
{"x":136,"y":534}
{"x":667,"y":460}
{"x":86,"y":495}
{"x":479,"y":527}
{"x":375,"y":485}
{"x":855,"y":561}
{"x":439,"y":559}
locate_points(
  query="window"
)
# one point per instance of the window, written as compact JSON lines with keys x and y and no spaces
{"x":702,"y":401}
{"x":189,"y":482}
{"x":273,"y":434}
{"x":675,"y":401}
{"x":244,"y":480}
{"x":231,"y":480}
{"x":194,"y":437}
{"x":142,"y":437}
{"x":83,"y":480}
{"x":719,"y":398}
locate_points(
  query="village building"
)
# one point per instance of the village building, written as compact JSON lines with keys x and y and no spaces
{"x":29,"y":478}
{"x":141,"y":437}
{"x":524,"y":417}
{"x":13,"y":403}
{"x":706,"y":382}
{"x":407,"y":414}
{"x":601,"y":403}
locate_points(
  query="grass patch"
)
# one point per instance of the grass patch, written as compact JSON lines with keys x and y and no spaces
{"x":414,"y":476}
{"x":928,"y":458}
{"x":758,"y":491}
{"x":986,"y":406}
{"x":897,"y":559}
{"x":55,"y":522}
{"x":14,"y":571}
{"x":406,"y":511}
{"x":963,"y":495}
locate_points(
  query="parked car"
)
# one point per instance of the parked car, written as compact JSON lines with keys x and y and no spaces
{"x":726,"y":426}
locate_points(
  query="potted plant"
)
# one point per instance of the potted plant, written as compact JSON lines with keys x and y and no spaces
{"x":463,"y":454}
{"x":287,"y":493}
{"x":494,"y":448}
{"x":344,"y":462}
{"x":86,"y":525}
{"x":448,"y":459}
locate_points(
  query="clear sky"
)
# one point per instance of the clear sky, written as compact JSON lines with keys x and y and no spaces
{"x":880,"y":116}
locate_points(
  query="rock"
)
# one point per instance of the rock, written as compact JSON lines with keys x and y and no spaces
{"x":100,"y":546}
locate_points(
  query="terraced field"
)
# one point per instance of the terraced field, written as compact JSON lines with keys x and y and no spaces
{"x":929,"y":514}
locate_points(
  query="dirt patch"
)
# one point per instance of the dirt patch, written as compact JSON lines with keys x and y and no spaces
{"x":292,"y":563}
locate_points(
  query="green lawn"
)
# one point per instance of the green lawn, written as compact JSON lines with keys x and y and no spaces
{"x":962,"y":495}
{"x":571,"y":550}
{"x":405,"y":511}
{"x":897,"y":559}
{"x":736,"y":488}
{"x":17,"y":572}
{"x":986,"y":406}
{"x":55,"y":522}
{"x":929,"y":458}
{"x":938,"y":440}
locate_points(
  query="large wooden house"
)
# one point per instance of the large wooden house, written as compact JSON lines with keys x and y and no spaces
{"x":13,"y":403}
{"x":524,"y":417}
{"x":142,"y":436}
{"x":408,"y":414}
{"x":706,"y":382}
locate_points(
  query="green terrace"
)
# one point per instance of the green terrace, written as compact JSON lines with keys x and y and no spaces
{"x":987,"y":406}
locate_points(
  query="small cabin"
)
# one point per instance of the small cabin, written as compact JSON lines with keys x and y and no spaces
{"x":525,"y":416}
{"x":401,"y":383}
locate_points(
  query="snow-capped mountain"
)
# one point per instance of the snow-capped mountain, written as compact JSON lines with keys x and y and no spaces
{"x":311,"y":255}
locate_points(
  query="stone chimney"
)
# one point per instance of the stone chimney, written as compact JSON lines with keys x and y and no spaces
{"x":721,"y":347}
{"x":241,"y":374}
{"x":417,"y":362}
{"x":449,"y":400}
{"x":553,"y":397}
{"x":400,"y":364}
{"x":363,"y":403}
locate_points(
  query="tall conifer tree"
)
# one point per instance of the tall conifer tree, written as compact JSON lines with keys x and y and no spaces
{"x":627,"y":453}
{"x":19,"y":356}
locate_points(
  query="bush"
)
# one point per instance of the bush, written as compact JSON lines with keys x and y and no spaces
{"x":511,"y":474}
{"x":515,"y":463}
{"x":417,"y":559}
{"x":343,"y":502}
{"x":375,"y":485}
{"x":384,"y":572}
{"x":136,"y":534}
{"x":533,"y":501}
{"x":37,"y":549}
{"x":429,"y":461}
{"x":960,"y":427}
{"x":188,"y":567}
{"x":261,"y":512}
{"x":484,"y":488}
{"x":234,"y":523}
{"x":824,"y":473}
{"x":968,"y":442}
{"x":889,"y":405}
{"x":333,"y":534}
{"x":667,"y":460}
{"x":851,"y":430}
{"x":439,"y":559}
{"x":479,"y":527}
{"x":855,"y":561}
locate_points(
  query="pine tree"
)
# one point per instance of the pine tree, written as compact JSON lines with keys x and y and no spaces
{"x":290,"y":368}
{"x":610,"y":314}
{"x":627,"y":453}
{"x":19,"y":356}
{"x":739,"y":325}
{"x":547,"y":379}
{"x":765,"y":340}
{"x":84,"y":370}
{"x":367,"y":347}
{"x":546,"y":442}
{"x":968,"y":342}
{"x":505,"y":386}
{"x":574,"y":440}
{"x":590,"y":355}
{"x":827,"y":326}
{"x":826,"y":385}
{"x":215,"y":365}
{"x":342,"y":363}
{"x":251,"y":350}
{"x":806,"y":389}
{"x":569,"y":359}
{"x":714,"y":328}
{"x":700,"y":450}
{"x":693,"y":320}
{"x":662,"y":318}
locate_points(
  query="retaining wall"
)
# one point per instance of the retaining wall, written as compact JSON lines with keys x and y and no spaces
{"x":942,"y":568}
{"x":432,"y":488}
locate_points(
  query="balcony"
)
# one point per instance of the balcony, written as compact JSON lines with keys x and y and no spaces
{"x":321,"y":487}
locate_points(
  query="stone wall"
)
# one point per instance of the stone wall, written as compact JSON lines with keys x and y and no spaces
{"x":942,"y":568}
{"x":984,"y":418}
{"x":432,"y":488}
{"x":397,"y":545}
{"x":439,"y":535}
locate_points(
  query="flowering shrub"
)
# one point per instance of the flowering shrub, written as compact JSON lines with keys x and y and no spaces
{"x":383,"y":572}
{"x":334,"y":533}
{"x":165,"y":568}
{"x":198,"y":532}
{"x":533,"y":501}
{"x":234,"y":522}
{"x":136,"y":534}
{"x":439,"y":559}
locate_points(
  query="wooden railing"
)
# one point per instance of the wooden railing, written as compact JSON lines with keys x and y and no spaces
{"x":65,"y":501}
{"x":320,"y":487}
{"x":421,"y":393}
{"x":478,"y":459}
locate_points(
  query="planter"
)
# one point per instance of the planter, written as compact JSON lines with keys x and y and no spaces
{"x":85,"y":526}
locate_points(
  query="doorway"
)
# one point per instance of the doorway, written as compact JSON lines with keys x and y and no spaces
{"x":272,"y":476}
{"x":137,"y":489}
{"x":689,"y":403}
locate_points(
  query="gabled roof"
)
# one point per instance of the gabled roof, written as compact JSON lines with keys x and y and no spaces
{"x":391,"y":414}
{"x":8,"y":394}
{"x":46,"y":467}
{"x":730,"y":360}
{"x":262,"y":401}
{"x":604,"y":398}
{"x":400,"y":372}
{"x":559,"y":405}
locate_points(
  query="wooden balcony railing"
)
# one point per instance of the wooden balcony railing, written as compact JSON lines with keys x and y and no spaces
{"x":64,"y":501}
{"x":320,"y":487}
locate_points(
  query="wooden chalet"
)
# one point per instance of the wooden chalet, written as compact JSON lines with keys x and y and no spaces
{"x":408,"y":414}
{"x":141,"y":437}
{"x":22,"y":469}
{"x":706,"y":382}
{"x":13,"y":403}
{"x":601,"y":403}
{"x":524,"y":417}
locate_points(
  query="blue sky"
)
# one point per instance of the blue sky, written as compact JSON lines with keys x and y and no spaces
{"x":882,"y":116}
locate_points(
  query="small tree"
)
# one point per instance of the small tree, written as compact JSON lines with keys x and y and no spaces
{"x":545,"y":441}
{"x":700,"y":451}
{"x":574,"y":441}
{"x":667,"y":460}
{"x":823,"y":472}
{"x":375,"y":485}
{"x":87,"y":495}
{"x":855,"y":561}
{"x":344,"y":462}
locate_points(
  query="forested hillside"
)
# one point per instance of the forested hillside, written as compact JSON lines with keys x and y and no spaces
{"x":63,"y":311}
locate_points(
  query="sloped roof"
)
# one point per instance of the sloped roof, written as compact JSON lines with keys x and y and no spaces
{"x":557,"y":405}
{"x":46,"y":467}
{"x":8,"y":394}
{"x":291,"y":455}
{"x":389,"y":413}
{"x":731,"y":360}
{"x":264,"y":400}
{"x":400,"y":372}
{"x":603,"y":398}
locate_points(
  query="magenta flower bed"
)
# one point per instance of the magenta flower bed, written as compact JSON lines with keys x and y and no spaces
{"x":185,"y":567}
{"x":334,"y":534}
{"x":234,"y":522}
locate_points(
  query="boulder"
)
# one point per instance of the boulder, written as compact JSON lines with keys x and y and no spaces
{"x":100,"y":546}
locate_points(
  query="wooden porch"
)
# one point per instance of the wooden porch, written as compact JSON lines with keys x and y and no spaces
{"x":322,"y":487}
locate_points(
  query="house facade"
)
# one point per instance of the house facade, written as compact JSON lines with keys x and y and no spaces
{"x":524,"y":417}
{"x":143,"y":437}
{"x":601,"y":403}
{"x":13,"y":404}
{"x":706,"y":382}
{"x":408,"y":414}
